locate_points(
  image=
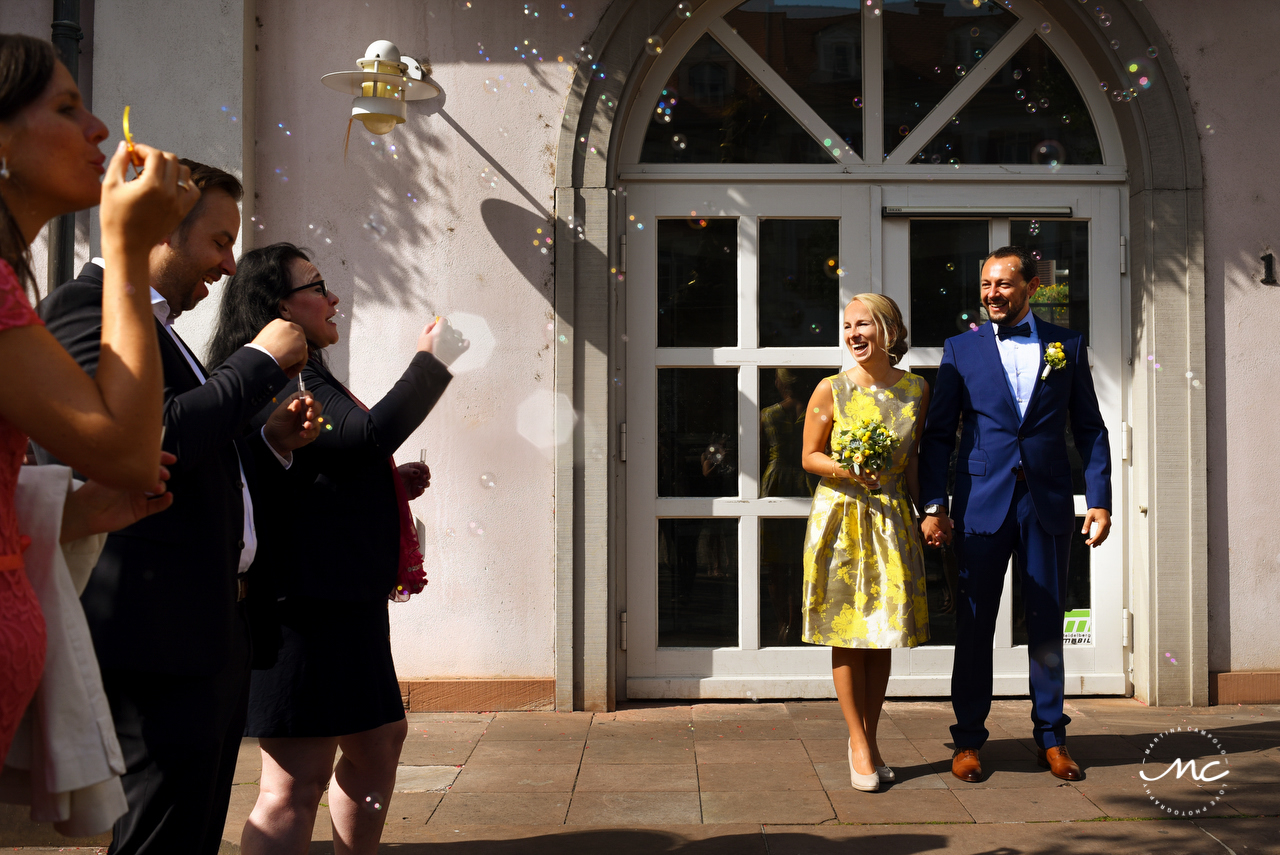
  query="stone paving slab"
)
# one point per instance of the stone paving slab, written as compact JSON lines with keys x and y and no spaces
{"x":757,"y":777}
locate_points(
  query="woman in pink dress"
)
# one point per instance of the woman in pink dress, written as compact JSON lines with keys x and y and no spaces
{"x":107,"y":426}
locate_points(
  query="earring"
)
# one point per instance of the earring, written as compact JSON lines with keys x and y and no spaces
{"x":4,"y":168}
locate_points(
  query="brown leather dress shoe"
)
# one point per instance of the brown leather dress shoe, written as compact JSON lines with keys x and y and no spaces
{"x":1059,"y":762}
{"x":966,"y":766}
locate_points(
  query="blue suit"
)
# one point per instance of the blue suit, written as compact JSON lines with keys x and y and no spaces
{"x":996,"y":515}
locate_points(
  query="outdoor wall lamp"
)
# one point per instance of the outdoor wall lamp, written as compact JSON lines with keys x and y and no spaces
{"x":385,"y":81}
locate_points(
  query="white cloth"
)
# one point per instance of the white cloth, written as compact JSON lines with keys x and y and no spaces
{"x":160,"y":306}
{"x":1020,"y":356}
{"x":65,"y":760}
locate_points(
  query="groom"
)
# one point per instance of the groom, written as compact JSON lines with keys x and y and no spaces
{"x":1014,"y":381}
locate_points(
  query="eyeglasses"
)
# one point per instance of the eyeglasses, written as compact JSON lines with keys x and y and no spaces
{"x":319,"y":283}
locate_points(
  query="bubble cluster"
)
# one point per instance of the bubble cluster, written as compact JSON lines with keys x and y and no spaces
{"x":577,"y":231}
{"x":487,"y":480}
{"x":1034,"y":228}
{"x":542,"y":240}
{"x":662,"y":112}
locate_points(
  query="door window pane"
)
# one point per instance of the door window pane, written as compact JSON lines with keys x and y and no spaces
{"x":712,"y":111}
{"x":928,"y":48}
{"x":1062,"y":247}
{"x":781,"y":580}
{"x":817,"y":49}
{"x":697,"y":583}
{"x":697,"y":431}
{"x":1029,"y":112}
{"x":941,"y":572}
{"x":799,"y":283}
{"x":784,"y":393}
{"x":697,"y":282}
{"x":1077,"y":585}
{"x":946,"y":267}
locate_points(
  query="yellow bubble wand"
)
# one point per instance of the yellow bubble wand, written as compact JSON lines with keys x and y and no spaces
{"x":134,"y":157}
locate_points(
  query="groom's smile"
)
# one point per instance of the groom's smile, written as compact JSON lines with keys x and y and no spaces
{"x":1004,"y":290}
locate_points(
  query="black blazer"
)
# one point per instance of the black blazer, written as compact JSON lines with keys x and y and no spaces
{"x":347,"y":509}
{"x":163,"y":595}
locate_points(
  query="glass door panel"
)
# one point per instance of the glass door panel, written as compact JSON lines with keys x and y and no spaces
{"x":781,"y":580}
{"x":1062,"y":249}
{"x":799,"y":282}
{"x":697,"y":282}
{"x":697,"y":431}
{"x":946,"y":266}
{"x":697,"y":583}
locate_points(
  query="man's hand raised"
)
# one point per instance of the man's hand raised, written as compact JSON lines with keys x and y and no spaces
{"x":293,"y":424}
{"x":286,"y":343}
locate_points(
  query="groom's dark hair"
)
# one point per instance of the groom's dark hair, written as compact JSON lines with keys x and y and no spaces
{"x":1028,"y":262}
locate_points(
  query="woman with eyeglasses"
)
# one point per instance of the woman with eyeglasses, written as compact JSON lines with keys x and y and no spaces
{"x":333,"y":684}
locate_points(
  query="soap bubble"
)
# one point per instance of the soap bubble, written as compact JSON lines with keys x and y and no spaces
{"x":257,"y":223}
{"x":373,"y":802}
{"x":974,"y":32}
{"x":475,"y":528}
{"x":489,"y":177}
{"x":1031,"y":108}
{"x":577,"y":231}
{"x":904,"y":130}
{"x":1020,"y":94}
{"x":375,"y":226}
{"x":1115,"y":44}
{"x":567,"y":11}
{"x":831,"y":267}
{"x":1066,"y":119}
{"x":450,"y":532}
{"x":684,"y":10}
{"x":490,"y":86}
{"x":487,"y":480}
{"x":679,"y":142}
{"x":1017,"y":74}
{"x":961,"y":71}
{"x":1046,"y":28}
{"x":1117,"y":95}
{"x":280,"y":173}
{"x":532,"y":10}
{"x":950,"y":266}
{"x":1044,"y":102}
{"x":653,"y":45}
{"x":978,"y":54}
{"x":857,"y":103}
{"x":583,"y":53}
{"x":816,"y":329}
{"x":1153,"y":51}
{"x":935,"y":158}
{"x":1034,"y":228}
{"x":1036,"y":254}
{"x":1105,"y":19}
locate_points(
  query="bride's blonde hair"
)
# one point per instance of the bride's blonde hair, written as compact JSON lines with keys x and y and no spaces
{"x":888,"y":317}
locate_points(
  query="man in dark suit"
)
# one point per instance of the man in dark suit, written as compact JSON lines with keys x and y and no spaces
{"x":165,"y":602}
{"x":1015,"y":381}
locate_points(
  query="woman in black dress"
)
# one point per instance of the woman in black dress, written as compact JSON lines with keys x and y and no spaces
{"x":333,"y":684}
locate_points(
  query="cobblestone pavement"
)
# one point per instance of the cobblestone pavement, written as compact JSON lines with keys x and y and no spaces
{"x":773,"y":778}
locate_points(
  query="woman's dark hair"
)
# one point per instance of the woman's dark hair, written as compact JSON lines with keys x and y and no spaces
{"x":26,"y":67}
{"x":252,"y":298}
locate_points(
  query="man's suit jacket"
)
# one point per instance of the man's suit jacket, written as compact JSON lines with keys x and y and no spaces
{"x":995,"y":439}
{"x":163,"y":595}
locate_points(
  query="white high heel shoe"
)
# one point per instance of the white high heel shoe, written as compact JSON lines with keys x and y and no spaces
{"x":865,"y":783}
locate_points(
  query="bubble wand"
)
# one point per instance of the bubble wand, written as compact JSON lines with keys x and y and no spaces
{"x":134,"y":158}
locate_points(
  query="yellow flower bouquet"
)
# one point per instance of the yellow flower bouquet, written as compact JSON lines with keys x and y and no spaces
{"x":865,"y":447}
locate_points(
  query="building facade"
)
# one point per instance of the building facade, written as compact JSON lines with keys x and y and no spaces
{"x":646,"y":217}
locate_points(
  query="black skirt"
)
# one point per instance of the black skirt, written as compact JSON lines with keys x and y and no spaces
{"x":334,"y":674}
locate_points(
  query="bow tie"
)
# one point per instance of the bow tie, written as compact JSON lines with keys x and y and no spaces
{"x":1003,"y":332}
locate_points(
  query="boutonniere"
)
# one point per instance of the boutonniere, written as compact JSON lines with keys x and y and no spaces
{"x":1054,"y":358}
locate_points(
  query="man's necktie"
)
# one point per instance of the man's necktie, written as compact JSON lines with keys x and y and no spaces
{"x":1003,"y":332}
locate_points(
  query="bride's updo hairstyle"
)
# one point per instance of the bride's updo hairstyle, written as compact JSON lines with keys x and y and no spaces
{"x":888,"y":318}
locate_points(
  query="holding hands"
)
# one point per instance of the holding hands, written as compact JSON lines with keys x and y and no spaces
{"x":97,"y":508}
{"x":936,"y":529}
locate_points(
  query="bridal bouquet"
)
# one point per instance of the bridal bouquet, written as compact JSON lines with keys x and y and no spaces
{"x":865,"y":447}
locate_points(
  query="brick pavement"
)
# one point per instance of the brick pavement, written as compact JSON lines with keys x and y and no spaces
{"x":773,"y":777}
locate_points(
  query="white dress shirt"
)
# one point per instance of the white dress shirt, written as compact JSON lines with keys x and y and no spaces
{"x":1020,"y":356}
{"x":164,"y":315}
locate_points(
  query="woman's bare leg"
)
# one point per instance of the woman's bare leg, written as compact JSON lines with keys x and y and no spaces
{"x":877,"y":664}
{"x":362,"y":785}
{"x":295,"y":772}
{"x":848,"y":670}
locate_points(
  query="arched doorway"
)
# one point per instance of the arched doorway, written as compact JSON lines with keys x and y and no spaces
{"x":772,"y":160}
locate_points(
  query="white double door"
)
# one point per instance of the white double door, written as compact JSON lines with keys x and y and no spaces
{"x":733,"y":310}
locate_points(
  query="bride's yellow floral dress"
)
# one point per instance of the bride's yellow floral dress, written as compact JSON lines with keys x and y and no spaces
{"x":863,"y":556}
